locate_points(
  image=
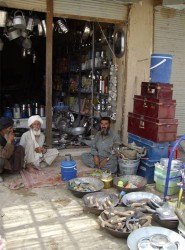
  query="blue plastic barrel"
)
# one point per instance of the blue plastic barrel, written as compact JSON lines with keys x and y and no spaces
{"x":160,"y":68}
{"x":68,"y":168}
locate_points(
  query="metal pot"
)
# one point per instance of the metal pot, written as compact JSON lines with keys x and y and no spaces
{"x":107,"y":180}
{"x":3,"y":17}
{"x":13,"y":33}
{"x":19,"y":21}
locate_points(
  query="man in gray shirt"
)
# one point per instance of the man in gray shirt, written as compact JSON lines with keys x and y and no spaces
{"x":101,"y":148}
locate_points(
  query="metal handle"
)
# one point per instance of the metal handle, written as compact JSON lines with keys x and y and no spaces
{"x":141,"y":124}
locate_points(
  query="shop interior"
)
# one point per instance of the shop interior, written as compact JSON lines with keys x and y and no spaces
{"x":82,"y":61}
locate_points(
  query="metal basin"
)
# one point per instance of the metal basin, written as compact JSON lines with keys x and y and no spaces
{"x":96,"y":183}
{"x":143,"y":232}
{"x":113,"y":232}
{"x":138,"y":181}
{"x":100,"y":197}
{"x":137,"y":196}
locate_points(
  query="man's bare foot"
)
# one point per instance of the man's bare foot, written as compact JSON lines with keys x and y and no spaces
{"x":32,"y":168}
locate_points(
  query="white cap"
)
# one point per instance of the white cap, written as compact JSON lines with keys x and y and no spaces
{"x":34,"y":118}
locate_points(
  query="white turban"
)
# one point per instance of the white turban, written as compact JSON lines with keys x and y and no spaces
{"x":34,"y":118}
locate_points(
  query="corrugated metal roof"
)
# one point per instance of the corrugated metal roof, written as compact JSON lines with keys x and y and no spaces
{"x":169,"y":38}
{"x":101,"y":9}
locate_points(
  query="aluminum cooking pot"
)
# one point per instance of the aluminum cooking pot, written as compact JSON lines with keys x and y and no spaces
{"x":3,"y":17}
{"x":19,"y":21}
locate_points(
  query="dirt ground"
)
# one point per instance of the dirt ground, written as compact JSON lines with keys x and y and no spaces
{"x":51,"y":218}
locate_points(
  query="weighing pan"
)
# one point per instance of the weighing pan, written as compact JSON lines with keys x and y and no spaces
{"x":101,"y":197}
{"x":135,"y":236}
{"x":137,"y":196}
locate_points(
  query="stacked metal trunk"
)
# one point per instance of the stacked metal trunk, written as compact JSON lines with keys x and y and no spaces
{"x":152,"y":124}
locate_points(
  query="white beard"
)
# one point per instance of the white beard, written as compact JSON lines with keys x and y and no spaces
{"x":36,"y":132}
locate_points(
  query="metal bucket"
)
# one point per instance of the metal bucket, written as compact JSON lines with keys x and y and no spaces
{"x":128,"y":167}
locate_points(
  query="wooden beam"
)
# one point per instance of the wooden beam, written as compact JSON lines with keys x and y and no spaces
{"x":49,"y":53}
{"x":158,"y":2}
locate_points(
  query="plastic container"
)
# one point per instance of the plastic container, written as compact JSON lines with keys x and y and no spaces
{"x":128,"y":167}
{"x":68,"y":168}
{"x":172,"y":186}
{"x":160,"y":68}
{"x":155,"y":151}
{"x":146,"y":169}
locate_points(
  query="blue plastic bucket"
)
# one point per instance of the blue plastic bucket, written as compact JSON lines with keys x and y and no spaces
{"x":160,"y":68}
{"x":68,"y":170}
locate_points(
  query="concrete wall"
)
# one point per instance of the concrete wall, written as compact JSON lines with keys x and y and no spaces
{"x":137,"y":59}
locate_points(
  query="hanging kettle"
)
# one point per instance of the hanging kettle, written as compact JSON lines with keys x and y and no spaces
{"x":19,"y":21}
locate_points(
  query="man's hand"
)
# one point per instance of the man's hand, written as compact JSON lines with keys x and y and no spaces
{"x":96,"y":160}
{"x":10,"y":137}
{"x":103,"y":162}
{"x":39,"y":150}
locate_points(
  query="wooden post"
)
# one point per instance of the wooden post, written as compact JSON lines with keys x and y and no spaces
{"x":49,"y":53}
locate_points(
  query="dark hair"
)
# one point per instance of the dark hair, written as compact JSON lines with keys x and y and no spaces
{"x":105,"y":118}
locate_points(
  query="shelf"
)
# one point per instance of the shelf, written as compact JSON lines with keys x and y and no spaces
{"x":95,"y":68}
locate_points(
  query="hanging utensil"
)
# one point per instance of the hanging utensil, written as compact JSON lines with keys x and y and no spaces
{"x":1,"y":44}
{"x":12,"y":33}
{"x":43,"y":25}
{"x":62,"y":26}
{"x":19,"y":21}
{"x":3,"y":18}
{"x":30,"y":24}
{"x":86,"y":32}
{"x":27,"y":43}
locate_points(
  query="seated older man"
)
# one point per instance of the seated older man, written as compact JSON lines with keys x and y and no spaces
{"x":36,"y":154}
{"x":11,"y":156}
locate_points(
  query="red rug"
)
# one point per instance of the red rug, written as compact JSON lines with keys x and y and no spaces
{"x":49,"y":176}
{"x":41,"y":178}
